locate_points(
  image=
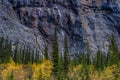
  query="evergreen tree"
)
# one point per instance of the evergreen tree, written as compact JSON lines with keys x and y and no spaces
{"x":55,"y":54}
{"x":88,"y":61}
{"x":46,"y":53}
{"x":32,"y":57}
{"x":83,"y":59}
{"x":36,"y":57}
{"x":15,"y":57}
{"x":66,"y":55}
{"x":113,"y":53}
{"x":6,"y":52}
{"x":85,"y":72}
{"x":1,"y":49}
{"x":98,"y":59}
{"x":61,"y":68}
{"x":101,"y":60}
{"x":20,"y":57}
{"x":10,"y":49}
{"x":23,"y":56}
{"x":80,"y":56}
{"x":74,"y":61}
{"x":27,"y":56}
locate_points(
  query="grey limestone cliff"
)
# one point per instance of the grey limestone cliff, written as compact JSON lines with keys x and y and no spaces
{"x":32,"y":23}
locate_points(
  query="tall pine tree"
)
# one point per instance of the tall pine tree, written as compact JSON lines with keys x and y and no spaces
{"x":113,"y":53}
{"x":1,"y":49}
{"x":46,"y":53}
{"x":66,"y":55}
{"x":55,"y":54}
{"x":99,"y":60}
{"x":88,"y":60}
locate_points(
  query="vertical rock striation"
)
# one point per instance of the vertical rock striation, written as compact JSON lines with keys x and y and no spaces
{"x":33,"y":22}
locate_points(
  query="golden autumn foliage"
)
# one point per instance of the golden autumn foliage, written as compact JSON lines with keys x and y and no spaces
{"x":26,"y":72}
{"x":43,"y":71}
{"x":7,"y":69}
{"x":109,"y":73}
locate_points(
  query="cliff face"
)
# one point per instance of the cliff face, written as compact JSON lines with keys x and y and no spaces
{"x":32,"y":23}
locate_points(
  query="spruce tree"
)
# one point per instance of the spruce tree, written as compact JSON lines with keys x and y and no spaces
{"x":27,"y":56}
{"x":23,"y":56}
{"x":98,"y":60}
{"x":15,"y":57}
{"x":36,"y":57}
{"x":32,"y":57}
{"x":74,"y":61}
{"x":60,"y":68}
{"x":85,"y":72}
{"x":80,"y":56}
{"x":66,"y":55}
{"x":55,"y":54}
{"x":83,"y":59}
{"x":10,"y":49}
{"x":88,"y":61}
{"x":20,"y":57}
{"x":6,"y":51}
{"x":113,"y":53}
{"x":46,"y":53}
{"x":1,"y":49}
{"x":101,"y":60}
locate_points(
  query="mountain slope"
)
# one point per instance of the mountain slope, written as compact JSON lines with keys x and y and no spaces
{"x":32,"y":23}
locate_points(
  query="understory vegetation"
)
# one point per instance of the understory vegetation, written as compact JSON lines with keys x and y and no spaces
{"x":24,"y":64}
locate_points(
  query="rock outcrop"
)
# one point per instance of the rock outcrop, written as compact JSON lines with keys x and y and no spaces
{"x":32,"y":23}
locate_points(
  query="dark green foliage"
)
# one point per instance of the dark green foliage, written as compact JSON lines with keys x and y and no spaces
{"x":5,"y":50}
{"x":46,"y":53}
{"x":113,"y":54}
{"x":37,"y":58}
{"x":88,"y":62}
{"x":20,"y":56}
{"x":55,"y":54}
{"x":100,"y":60}
{"x":1,"y":49}
{"x":11,"y":76}
{"x":74,"y":61}
{"x":23,"y":56}
{"x":66,"y":55}
{"x":84,"y":58}
{"x":15,"y":57}
{"x":61,"y":68}
{"x":85,"y":72}
{"x":32,"y":57}
{"x":27,"y":56}
{"x":0,"y":78}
